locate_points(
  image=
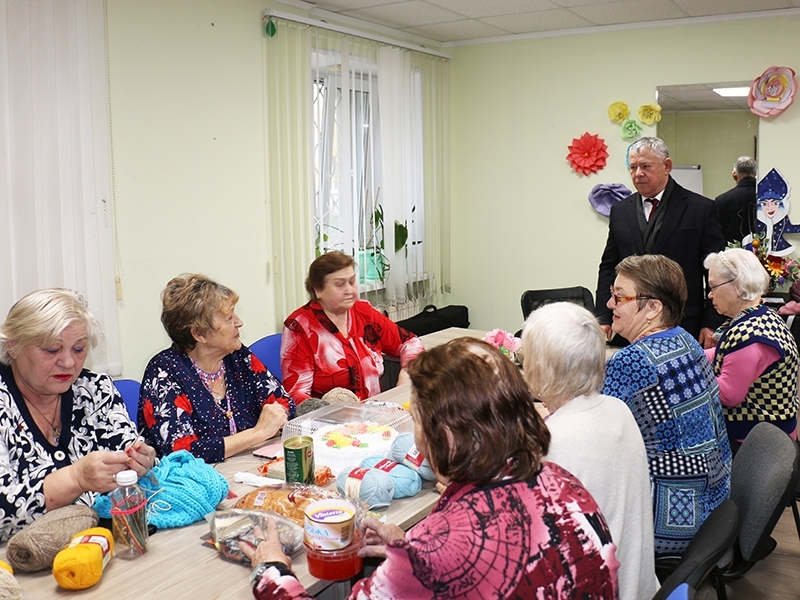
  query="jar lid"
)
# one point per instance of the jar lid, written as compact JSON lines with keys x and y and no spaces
{"x":128,"y":477}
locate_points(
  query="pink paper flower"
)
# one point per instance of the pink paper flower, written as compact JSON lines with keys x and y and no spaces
{"x":502,"y":340}
{"x":772,"y":92}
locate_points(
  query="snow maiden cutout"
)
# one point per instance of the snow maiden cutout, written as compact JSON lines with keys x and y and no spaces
{"x":772,"y":212}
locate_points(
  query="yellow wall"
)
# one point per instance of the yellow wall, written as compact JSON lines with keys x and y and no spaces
{"x":188,"y":144}
{"x":521,"y":218}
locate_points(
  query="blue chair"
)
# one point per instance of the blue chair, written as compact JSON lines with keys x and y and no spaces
{"x":268,"y":351}
{"x":129,"y":390}
{"x":682,"y":592}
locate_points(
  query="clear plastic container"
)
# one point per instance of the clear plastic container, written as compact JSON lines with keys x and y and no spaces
{"x":335,"y":565}
{"x":129,"y":516}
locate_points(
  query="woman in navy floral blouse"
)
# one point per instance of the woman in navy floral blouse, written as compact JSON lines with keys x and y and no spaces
{"x":208,"y":393}
{"x":64,"y":431}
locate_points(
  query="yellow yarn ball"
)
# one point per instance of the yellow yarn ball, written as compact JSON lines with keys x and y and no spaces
{"x":6,"y":566}
{"x":80,"y":565}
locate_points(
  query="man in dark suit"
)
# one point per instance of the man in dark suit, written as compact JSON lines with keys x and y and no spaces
{"x":662,"y":218}
{"x":737,"y":206}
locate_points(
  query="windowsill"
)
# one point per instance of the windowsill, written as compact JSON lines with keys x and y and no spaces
{"x":374,"y":285}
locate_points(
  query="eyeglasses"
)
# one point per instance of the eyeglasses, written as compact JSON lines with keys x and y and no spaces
{"x":623,"y":299}
{"x":711,"y":288}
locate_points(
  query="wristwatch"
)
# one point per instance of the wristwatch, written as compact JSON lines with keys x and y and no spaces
{"x":261,"y":568}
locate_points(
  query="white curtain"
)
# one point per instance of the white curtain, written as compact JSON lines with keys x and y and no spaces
{"x":356,"y":126}
{"x":56,"y":222}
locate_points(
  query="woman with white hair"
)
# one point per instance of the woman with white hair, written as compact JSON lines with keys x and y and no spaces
{"x":64,"y":431}
{"x":756,"y":358}
{"x":593,"y":436}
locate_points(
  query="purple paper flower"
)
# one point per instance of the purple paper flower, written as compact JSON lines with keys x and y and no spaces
{"x":605,"y":195}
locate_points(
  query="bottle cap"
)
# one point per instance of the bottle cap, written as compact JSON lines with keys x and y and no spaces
{"x":128,"y":477}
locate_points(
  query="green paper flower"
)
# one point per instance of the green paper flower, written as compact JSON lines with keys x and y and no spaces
{"x":630,"y":129}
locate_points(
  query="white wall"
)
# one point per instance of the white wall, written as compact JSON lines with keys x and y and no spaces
{"x":521,"y":218}
{"x":188,"y":144}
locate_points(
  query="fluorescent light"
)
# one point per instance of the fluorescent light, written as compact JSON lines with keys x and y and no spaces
{"x":733,"y":91}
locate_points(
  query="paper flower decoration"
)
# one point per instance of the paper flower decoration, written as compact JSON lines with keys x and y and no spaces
{"x":503,"y":341}
{"x":618,"y":112}
{"x":587,"y":154}
{"x":605,"y":195}
{"x":630,"y":129}
{"x":650,"y":113}
{"x":773,"y":92}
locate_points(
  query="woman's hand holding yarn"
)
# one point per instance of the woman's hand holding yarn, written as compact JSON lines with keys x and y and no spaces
{"x":141,"y":457}
{"x":95,"y":472}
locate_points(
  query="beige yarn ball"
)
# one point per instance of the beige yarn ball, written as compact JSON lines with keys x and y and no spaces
{"x":35,"y":547}
{"x":9,"y":586}
{"x":341,"y":396}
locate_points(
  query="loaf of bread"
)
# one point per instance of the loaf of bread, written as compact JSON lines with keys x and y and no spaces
{"x":289,"y":502}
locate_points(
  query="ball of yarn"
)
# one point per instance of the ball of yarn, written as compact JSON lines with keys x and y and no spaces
{"x":400,"y":447}
{"x":407,"y":482}
{"x":6,"y":566}
{"x":310,"y":404}
{"x":35,"y":547}
{"x":341,"y":396}
{"x":372,"y":486}
{"x":80,"y":565}
{"x":9,"y":586}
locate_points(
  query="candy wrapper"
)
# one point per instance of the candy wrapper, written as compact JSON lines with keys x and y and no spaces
{"x":230,"y":526}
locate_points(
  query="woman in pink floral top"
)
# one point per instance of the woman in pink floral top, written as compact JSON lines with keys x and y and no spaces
{"x":337,"y":340}
{"x":507,"y":525}
{"x":208,"y":393}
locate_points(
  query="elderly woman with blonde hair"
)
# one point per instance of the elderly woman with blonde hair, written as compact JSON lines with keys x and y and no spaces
{"x":64,"y":430}
{"x":756,"y":358}
{"x":590,"y":433}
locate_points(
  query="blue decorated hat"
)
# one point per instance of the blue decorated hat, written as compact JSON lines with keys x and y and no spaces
{"x":773,"y":186}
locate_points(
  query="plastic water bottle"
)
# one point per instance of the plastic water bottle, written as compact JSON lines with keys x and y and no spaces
{"x":129,"y":516}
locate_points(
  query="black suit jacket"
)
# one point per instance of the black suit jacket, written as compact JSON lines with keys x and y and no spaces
{"x":737,"y":210}
{"x":689,"y":232}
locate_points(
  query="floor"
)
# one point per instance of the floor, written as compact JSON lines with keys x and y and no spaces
{"x":777,"y":577}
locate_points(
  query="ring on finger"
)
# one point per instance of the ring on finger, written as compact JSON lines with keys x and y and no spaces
{"x":259,"y":540}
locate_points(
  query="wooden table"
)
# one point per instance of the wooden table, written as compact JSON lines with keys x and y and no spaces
{"x":180,"y":565}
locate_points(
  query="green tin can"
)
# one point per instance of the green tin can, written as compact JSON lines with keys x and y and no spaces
{"x":298,"y":453}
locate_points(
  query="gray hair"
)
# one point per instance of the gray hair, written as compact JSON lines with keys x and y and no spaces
{"x":745,"y":165}
{"x":40,"y":317}
{"x":743,"y":267}
{"x":564,"y":351}
{"x":655,"y":144}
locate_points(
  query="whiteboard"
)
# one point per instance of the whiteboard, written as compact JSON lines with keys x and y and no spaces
{"x":689,"y":176}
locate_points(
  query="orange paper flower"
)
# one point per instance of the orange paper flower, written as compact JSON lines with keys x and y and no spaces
{"x":587,"y":154}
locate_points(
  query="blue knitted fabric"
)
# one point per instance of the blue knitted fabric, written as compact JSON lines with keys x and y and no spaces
{"x":184,"y":491}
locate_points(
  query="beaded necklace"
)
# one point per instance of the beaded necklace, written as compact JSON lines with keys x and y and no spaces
{"x":210,"y":378}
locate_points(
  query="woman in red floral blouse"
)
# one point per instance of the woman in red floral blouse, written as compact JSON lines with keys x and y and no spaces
{"x":337,"y":340}
{"x":208,"y":393}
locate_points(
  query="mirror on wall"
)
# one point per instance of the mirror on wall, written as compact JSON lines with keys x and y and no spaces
{"x":702,"y":128}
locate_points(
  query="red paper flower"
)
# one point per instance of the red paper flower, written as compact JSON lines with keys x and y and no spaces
{"x":587,"y":154}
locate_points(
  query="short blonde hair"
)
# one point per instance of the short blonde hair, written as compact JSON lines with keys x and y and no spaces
{"x":40,"y":317}
{"x":189,"y":303}
{"x":749,"y":276}
{"x":564,"y":350}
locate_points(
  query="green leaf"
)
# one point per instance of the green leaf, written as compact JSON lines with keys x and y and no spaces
{"x":400,"y":236}
{"x":270,"y":29}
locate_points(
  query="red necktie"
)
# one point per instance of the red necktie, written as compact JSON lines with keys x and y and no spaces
{"x":654,"y":202}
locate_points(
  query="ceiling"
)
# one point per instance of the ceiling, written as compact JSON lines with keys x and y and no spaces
{"x":458,"y":22}
{"x":448,"y":21}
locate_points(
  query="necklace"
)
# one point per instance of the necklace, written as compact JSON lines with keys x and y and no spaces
{"x":208,"y":380}
{"x":650,"y":332}
{"x":56,"y":429}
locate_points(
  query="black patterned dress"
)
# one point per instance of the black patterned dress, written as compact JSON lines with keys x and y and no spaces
{"x":93,"y":417}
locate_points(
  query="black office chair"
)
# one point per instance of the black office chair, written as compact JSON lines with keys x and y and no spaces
{"x":708,"y":546}
{"x":533,"y":299}
{"x":764,"y":478}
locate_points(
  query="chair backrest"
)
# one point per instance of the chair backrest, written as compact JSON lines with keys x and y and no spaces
{"x":763,"y":478}
{"x":129,"y":390}
{"x":268,"y":351}
{"x":533,"y":299}
{"x":713,"y":539}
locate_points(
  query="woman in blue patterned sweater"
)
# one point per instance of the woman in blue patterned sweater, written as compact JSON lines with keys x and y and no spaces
{"x":669,"y":385}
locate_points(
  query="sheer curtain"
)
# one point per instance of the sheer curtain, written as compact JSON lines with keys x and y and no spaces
{"x":55,"y":186}
{"x":375,"y":118}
